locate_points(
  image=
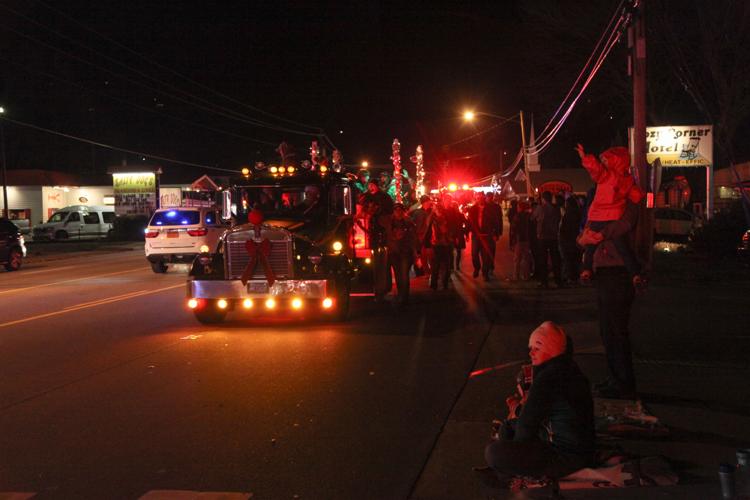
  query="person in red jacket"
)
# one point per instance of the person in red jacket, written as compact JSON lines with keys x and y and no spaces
{"x":616,"y":191}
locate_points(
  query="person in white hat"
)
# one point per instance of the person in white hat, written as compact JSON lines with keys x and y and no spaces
{"x":554,"y":434}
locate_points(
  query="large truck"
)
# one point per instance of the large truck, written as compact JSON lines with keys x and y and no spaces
{"x":292,"y":248}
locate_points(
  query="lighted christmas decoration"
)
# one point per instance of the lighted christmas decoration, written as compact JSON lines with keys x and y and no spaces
{"x":396,"y":159}
{"x":419,"y":160}
{"x":337,"y":160}
{"x":314,"y":155}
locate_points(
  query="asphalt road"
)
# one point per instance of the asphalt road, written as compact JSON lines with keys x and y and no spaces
{"x":111,"y":389}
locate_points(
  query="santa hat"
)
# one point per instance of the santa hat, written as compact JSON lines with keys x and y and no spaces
{"x":549,"y":338}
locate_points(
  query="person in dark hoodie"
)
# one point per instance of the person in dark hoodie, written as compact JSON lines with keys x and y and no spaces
{"x":554,"y":434}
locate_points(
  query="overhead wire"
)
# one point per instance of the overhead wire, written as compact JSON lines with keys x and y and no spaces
{"x":176,"y":73}
{"x":481,"y":132}
{"x":114,"y":148}
{"x":137,"y":106}
{"x":210,"y":106}
{"x":544,"y":143}
{"x":588,"y":62}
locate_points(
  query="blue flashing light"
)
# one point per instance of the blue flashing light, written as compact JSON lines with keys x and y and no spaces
{"x":172,"y":213}
{"x":209,"y":220}
{"x":184,"y":221}
{"x":159,"y":223}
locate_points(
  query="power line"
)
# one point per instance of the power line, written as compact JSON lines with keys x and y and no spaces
{"x":137,"y":106}
{"x":614,"y":35}
{"x":220,"y":110}
{"x":488,"y":129}
{"x":114,"y":148}
{"x":580,"y":74}
{"x":166,"y":68}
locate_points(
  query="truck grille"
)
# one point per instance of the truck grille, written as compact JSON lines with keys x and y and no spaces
{"x":280,"y":257}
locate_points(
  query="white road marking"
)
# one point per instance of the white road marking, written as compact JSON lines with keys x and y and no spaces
{"x":12,"y":290}
{"x":24,"y":273}
{"x":87,"y":305}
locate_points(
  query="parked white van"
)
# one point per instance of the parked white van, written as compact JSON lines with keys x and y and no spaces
{"x":77,"y":222}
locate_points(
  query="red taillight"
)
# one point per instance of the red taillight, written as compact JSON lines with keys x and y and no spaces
{"x":152,"y":233}
{"x":201,"y":231}
{"x":746,"y":237}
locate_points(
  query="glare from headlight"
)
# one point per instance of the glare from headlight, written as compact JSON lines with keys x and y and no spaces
{"x":327,"y":303}
{"x":192,"y":303}
{"x":270,"y":303}
{"x":337,"y":246}
{"x":247,"y":303}
{"x":296,"y":303}
{"x":222,"y":303}
{"x":204,"y":249}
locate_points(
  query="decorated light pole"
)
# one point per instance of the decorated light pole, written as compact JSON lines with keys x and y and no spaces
{"x":396,"y":159}
{"x":314,"y":155}
{"x":337,"y":161}
{"x":419,"y":160}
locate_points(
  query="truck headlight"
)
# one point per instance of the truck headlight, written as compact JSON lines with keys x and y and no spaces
{"x":337,"y":246}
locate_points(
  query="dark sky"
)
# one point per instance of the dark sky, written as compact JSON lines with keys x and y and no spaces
{"x":374,"y":70}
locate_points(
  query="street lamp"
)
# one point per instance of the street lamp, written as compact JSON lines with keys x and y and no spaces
{"x":469,"y":116}
{"x":365,"y":164}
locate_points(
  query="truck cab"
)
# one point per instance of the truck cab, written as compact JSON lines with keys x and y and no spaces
{"x":289,"y":251}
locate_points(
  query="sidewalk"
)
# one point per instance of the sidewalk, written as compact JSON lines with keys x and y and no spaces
{"x":690,"y":342}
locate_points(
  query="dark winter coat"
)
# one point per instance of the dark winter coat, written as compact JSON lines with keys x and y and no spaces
{"x":560,"y":400}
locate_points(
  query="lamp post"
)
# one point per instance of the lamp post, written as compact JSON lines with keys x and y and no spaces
{"x":4,"y":176}
{"x":470,"y":115}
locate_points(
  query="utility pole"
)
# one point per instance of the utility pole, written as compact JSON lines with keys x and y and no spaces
{"x":529,"y":193}
{"x":4,"y":172}
{"x":637,"y":67}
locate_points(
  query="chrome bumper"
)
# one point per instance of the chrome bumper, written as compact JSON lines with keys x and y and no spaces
{"x":234,"y":289}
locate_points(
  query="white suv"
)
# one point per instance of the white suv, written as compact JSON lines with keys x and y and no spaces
{"x":177,"y":234}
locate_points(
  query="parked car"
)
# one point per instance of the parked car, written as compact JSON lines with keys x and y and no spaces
{"x":12,"y":245}
{"x":675,"y":223}
{"x":178,"y":234}
{"x":77,"y":222}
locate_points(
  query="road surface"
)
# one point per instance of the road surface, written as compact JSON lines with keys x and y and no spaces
{"x":111,"y":389}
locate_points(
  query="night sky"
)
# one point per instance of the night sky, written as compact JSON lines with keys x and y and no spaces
{"x":364,"y":71}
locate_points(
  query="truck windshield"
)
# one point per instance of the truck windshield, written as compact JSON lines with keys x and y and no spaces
{"x":289,"y":202}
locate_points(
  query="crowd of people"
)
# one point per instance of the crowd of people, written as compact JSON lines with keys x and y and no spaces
{"x":429,"y":236}
{"x":550,"y":426}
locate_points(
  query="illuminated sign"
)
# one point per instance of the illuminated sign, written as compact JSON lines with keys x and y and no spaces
{"x":680,"y":145}
{"x":556,"y":187}
{"x":134,"y":183}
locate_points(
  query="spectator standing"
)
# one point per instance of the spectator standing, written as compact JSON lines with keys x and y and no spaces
{"x":615,"y":296}
{"x":547,"y":218}
{"x":376,"y":208}
{"x":485,"y":226}
{"x":463,"y":230}
{"x":444,"y":230}
{"x":401,"y":250}
{"x":569,"y":229}
{"x":520,"y":241}
{"x":423,"y":218}
{"x":496,"y":209}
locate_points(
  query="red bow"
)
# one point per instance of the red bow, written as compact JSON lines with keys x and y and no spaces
{"x":258,"y":252}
